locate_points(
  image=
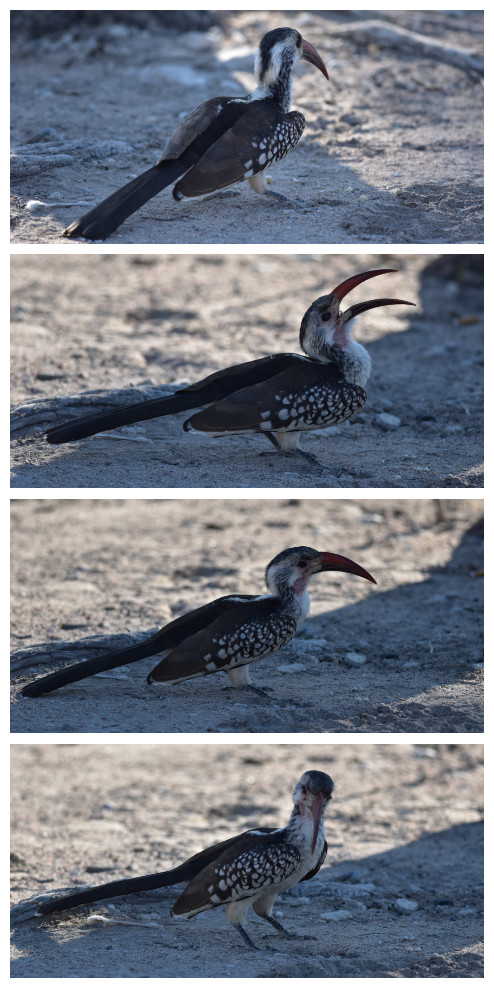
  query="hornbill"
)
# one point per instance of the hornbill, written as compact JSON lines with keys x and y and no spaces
{"x":226,"y":140}
{"x":279,"y":396}
{"x":227,"y":634}
{"x":249,"y":870}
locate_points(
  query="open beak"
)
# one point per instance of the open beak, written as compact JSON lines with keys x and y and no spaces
{"x":309,"y":54}
{"x":350,"y":283}
{"x":317,"y":807}
{"x":333,"y":561}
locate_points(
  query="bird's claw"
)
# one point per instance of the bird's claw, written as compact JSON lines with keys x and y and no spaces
{"x":283,"y":199}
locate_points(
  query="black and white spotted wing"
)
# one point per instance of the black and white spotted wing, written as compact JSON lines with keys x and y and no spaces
{"x":261,"y":135}
{"x":247,"y":628}
{"x":256,"y":862}
{"x":305,"y":394}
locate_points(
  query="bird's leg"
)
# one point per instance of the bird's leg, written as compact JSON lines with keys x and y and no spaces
{"x":263,"y":907}
{"x":281,"y":198}
{"x":276,"y":924}
{"x":259,"y":692}
{"x":238,"y":927}
{"x":239,"y":677}
{"x":309,"y":458}
{"x":259,"y":183}
{"x":288,"y":444}
{"x":282,"y":930}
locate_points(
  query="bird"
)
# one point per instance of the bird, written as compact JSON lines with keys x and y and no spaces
{"x":248,"y":870}
{"x":227,"y":634}
{"x":225,"y":140}
{"x":279,"y":396}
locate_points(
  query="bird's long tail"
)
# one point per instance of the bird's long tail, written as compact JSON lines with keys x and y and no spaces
{"x":72,"y":674}
{"x":120,"y":887}
{"x":104,"y":218}
{"x":88,"y":426}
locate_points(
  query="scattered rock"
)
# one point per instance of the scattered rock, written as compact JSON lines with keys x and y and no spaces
{"x":337,"y":915}
{"x":291,"y":668}
{"x":354,"y":659}
{"x":386,"y":421}
{"x":406,"y":906}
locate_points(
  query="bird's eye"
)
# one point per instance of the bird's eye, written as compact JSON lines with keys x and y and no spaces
{"x":302,"y":564}
{"x":299,"y":41}
{"x":325,"y":316}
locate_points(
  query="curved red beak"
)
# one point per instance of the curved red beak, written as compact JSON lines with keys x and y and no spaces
{"x":350,"y":283}
{"x":317,"y":808}
{"x":309,"y":54}
{"x":333,"y":561}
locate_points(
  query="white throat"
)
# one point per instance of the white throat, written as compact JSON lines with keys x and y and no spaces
{"x":302,"y":606}
{"x":358,"y":363}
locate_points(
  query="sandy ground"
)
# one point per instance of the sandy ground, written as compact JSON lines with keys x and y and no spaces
{"x":405,"y":823}
{"x":392,"y":151}
{"x":76,"y":574}
{"x":140,"y":323}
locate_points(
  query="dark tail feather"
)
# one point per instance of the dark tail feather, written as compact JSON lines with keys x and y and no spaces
{"x":104,"y":218}
{"x":119,"y":888}
{"x":79,"y":428}
{"x":44,"y":685}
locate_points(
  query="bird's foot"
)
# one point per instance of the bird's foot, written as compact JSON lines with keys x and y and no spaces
{"x":259,"y":692}
{"x":253,"y":690}
{"x":310,"y":459}
{"x":248,"y":942}
{"x":288,"y":934}
{"x":301,"y":454}
{"x":281,"y":198}
{"x":278,"y":927}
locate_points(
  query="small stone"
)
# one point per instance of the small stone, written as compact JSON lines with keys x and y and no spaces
{"x":354,"y":659}
{"x":291,"y":668}
{"x":315,"y":644}
{"x":387,"y":421}
{"x":337,"y":915}
{"x":406,"y":906}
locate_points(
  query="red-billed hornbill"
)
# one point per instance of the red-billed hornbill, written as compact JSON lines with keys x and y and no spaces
{"x":250,"y":870}
{"x":280,"y":396}
{"x":227,"y":634}
{"x":226,"y":140}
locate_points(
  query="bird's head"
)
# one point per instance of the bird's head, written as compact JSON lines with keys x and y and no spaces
{"x":278,"y":52}
{"x":292,"y":569}
{"x":311,"y":797}
{"x":325,"y":325}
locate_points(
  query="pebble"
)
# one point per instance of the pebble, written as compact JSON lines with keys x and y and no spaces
{"x":354,"y":659}
{"x":291,"y":668}
{"x":406,"y":906}
{"x":337,"y":915}
{"x":387,"y":421}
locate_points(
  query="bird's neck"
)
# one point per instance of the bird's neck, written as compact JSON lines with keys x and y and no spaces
{"x":300,"y":829}
{"x":276,"y":84}
{"x":352,"y":360}
{"x":296,"y":602}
